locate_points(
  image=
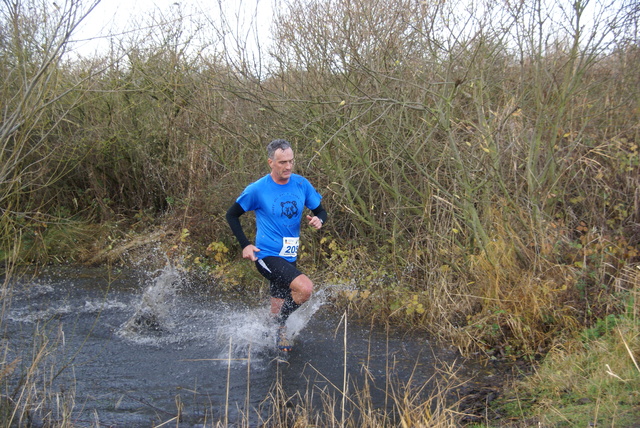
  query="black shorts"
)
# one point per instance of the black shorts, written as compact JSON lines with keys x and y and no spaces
{"x":280,"y":273}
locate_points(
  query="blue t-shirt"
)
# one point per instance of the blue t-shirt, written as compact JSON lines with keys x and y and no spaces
{"x":278,"y":209}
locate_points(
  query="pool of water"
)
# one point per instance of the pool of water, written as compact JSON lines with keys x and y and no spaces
{"x":137,"y":349}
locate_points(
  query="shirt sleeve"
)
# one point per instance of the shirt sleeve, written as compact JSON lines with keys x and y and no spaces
{"x":233,"y":218}
{"x":320,"y":213}
{"x":312,"y":197}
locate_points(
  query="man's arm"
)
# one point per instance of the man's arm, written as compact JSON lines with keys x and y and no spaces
{"x":319,"y":217}
{"x":320,"y":213}
{"x":233,"y":218}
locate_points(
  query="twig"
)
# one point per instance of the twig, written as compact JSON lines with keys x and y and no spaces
{"x":629,"y":350}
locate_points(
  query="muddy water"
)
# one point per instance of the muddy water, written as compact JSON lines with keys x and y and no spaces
{"x":136,"y":349}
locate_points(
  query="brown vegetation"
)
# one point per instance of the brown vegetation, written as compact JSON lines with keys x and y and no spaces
{"x":480,"y":166}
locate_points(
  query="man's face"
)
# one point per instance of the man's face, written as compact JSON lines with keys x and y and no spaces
{"x":281,"y":165}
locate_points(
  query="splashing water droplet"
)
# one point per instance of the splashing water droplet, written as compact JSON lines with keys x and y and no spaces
{"x":151,"y":316}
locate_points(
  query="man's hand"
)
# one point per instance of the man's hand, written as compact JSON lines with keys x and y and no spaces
{"x":314,"y":222}
{"x":249,"y":251}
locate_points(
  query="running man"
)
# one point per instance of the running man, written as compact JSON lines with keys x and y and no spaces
{"x":278,"y":200}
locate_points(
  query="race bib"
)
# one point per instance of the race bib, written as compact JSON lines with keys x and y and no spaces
{"x":289,"y":247}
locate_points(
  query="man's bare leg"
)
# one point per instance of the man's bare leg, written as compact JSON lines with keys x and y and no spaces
{"x":301,"y":289}
{"x":276,"y":305}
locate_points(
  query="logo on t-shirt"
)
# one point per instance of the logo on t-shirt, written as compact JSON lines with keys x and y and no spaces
{"x":289,"y":209}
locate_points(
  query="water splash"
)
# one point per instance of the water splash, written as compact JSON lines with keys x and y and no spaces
{"x":253,"y":330}
{"x":300,"y":318}
{"x":160,"y":319}
{"x":152,"y":313}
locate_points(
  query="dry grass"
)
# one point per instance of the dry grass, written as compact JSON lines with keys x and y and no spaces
{"x":591,"y":380}
{"x":32,"y":399}
{"x":409,"y":404}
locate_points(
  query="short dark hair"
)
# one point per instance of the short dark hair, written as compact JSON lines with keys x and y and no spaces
{"x":278,"y":144}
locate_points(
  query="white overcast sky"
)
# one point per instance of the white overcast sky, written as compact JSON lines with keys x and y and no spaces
{"x":115,"y":16}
